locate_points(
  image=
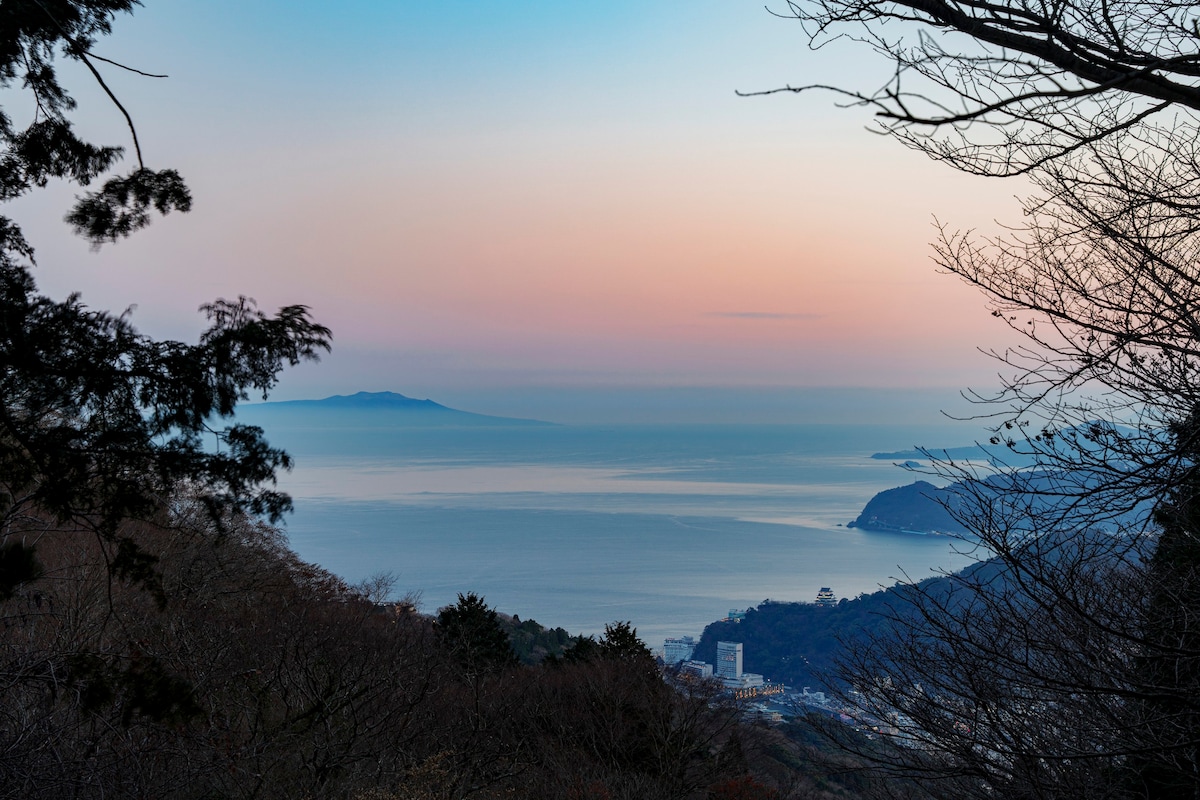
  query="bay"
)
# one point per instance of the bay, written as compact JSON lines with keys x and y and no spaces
{"x":666,"y":526}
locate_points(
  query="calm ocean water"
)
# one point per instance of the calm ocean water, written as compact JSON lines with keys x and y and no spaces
{"x":668,"y":527}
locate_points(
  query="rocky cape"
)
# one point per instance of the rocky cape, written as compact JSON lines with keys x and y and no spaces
{"x":919,"y":507}
{"x":923,"y":508}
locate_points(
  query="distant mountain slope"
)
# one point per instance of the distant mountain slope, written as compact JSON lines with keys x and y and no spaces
{"x":800,"y":643}
{"x":374,"y":408}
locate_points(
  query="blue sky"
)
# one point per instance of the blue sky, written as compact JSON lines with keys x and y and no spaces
{"x":532,"y":197}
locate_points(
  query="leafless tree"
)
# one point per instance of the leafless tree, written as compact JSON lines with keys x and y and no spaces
{"x":1069,"y":664}
{"x":1000,"y":88}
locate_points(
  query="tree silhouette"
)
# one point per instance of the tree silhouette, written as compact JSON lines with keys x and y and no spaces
{"x":1169,"y":655}
{"x":33,"y":34}
{"x":1044,"y":673}
{"x":98,"y":422}
{"x":101,"y":426}
{"x":1003,"y":88}
{"x":620,"y":640}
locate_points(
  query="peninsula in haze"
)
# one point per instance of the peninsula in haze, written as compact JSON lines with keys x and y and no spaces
{"x":389,"y":409}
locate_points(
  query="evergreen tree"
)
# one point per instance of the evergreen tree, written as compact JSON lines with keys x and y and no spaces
{"x":33,"y":35}
{"x":472,"y":633}
{"x":620,"y":640}
{"x":99,"y":423}
{"x":1169,"y":663}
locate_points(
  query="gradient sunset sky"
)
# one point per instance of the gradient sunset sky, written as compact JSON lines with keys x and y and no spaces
{"x":499,"y":196}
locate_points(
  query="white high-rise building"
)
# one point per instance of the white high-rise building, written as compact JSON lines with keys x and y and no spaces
{"x":729,"y":660}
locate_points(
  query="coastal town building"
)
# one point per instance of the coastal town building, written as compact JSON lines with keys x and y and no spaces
{"x":677,"y":650}
{"x":729,"y":660}
{"x":729,"y":670}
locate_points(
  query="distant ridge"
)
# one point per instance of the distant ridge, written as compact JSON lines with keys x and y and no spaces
{"x":1020,"y":454}
{"x":364,"y":401}
{"x":381,"y":407}
{"x":922,"y":507}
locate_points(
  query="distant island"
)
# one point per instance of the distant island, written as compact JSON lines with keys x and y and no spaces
{"x":377,"y":408}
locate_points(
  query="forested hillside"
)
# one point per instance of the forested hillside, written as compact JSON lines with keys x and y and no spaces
{"x":244,"y":672}
{"x":800,"y":644}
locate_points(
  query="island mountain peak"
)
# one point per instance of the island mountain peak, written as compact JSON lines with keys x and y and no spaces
{"x":388,"y":408}
{"x":375,"y":400}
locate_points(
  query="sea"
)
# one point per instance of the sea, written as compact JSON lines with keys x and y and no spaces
{"x":667,"y":526}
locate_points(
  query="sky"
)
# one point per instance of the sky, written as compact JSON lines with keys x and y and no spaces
{"x":490,"y":202}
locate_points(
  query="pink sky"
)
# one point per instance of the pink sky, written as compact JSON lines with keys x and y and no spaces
{"x":498,"y":194}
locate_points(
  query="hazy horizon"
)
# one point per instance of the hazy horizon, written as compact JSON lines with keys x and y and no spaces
{"x":699,"y":404}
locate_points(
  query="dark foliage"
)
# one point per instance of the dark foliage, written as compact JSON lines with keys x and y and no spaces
{"x":533,"y":643}
{"x":33,"y":35}
{"x":793,"y":643}
{"x":620,"y":642}
{"x":800,"y":644}
{"x":123,"y":205}
{"x":472,"y":633}
{"x":99,"y":423}
{"x":1168,"y":659}
{"x":585,"y":648}
{"x":18,"y":565}
{"x":266,"y":677}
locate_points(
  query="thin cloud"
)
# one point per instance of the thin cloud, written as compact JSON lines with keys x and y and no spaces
{"x":762,"y":315}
